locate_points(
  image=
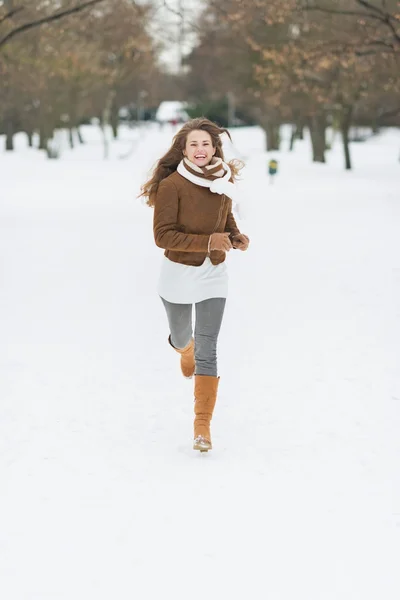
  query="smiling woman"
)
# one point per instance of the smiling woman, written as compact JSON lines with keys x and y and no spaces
{"x":191,"y":190}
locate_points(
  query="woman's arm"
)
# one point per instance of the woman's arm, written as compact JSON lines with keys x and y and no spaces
{"x":238,"y":240}
{"x":231,"y":226}
{"x":165,"y":223}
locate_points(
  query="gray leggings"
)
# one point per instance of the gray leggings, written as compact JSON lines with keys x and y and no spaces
{"x":209,"y":315}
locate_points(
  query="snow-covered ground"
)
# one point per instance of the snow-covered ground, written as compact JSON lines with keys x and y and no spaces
{"x":102,"y":496}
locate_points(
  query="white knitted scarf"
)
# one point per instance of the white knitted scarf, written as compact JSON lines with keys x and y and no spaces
{"x":222,"y":185}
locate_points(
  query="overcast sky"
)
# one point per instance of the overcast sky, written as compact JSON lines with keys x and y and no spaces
{"x":167,"y":25}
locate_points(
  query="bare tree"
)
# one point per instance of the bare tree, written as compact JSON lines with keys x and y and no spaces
{"x":62,"y":74}
{"x":11,"y":11}
{"x":385,"y":17}
{"x":314,"y":71}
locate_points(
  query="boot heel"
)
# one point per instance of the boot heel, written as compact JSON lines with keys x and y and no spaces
{"x":200,"y":443}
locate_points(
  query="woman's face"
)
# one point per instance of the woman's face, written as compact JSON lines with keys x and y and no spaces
{"x":199,"y":149}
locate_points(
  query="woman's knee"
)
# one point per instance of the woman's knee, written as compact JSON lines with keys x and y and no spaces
{"x":180,"y":338}
{"x":180,"y":323}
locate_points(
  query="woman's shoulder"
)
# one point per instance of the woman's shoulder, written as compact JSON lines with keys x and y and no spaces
{"x":171,"y":180}
{"x":168,"y":188}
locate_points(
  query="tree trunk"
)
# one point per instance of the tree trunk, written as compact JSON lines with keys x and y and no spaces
{"x":71,"y":138}
{"x":317,"y":126}
{"x":105,"y":120}
{"x":293,"y":137}
{"x":345,"y":123}
{"x":9,"y":134}
{"x":29,"y":134}
{"x":114,"y":120}
{"x":297,"y":133}
{"x":273,"y":141}
{"x":43,"y":139}
{"x":79,"y":134}
{"x":45,"y":135}
{"x":10,"y":124}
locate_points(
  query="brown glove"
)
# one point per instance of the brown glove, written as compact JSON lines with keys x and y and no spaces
{"x":220,"y":241}
{"x":241,"y":242}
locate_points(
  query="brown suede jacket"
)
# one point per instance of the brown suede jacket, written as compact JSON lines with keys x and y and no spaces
{"x":185,"y":215}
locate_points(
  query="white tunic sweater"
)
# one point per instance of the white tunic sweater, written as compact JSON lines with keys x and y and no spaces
{"x":184,"y":284}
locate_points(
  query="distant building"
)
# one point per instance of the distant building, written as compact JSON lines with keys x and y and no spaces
{"x":172,"y":112}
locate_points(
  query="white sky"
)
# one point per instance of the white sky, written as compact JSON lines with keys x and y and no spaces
{"x":167,"y":25}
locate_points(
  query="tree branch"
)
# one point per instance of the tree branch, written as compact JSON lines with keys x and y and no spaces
{"x":180,"y":14}
{"x":351,"y":13}
{"x":11,"y":14}
{"x":389,"y":114}
{"x":371,"y":12}
{"x":370,"y":6}
{"x":49,"y":19}
{"x":339,"y":49}
{"x":173,"y":11}
{"x":393,"y":29}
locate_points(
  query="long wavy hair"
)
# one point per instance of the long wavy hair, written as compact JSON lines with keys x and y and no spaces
{"x":170,"y":161}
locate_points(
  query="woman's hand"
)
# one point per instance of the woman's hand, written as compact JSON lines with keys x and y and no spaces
{"x":241,"y":242}
{"x":220,"y":241}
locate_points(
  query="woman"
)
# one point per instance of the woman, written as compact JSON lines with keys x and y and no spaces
{"x":191,"y":190}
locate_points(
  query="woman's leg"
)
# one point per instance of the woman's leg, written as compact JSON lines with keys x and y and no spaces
{"x":209,"y":315}
{"x":180,"y":323}
{"x":208,"y":323}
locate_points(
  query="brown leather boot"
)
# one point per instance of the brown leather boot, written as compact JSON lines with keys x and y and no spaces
{"x":205,"y":393}
{"x":187,"y":358}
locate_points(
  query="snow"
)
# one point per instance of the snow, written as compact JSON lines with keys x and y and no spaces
{"x":102,"y":495}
